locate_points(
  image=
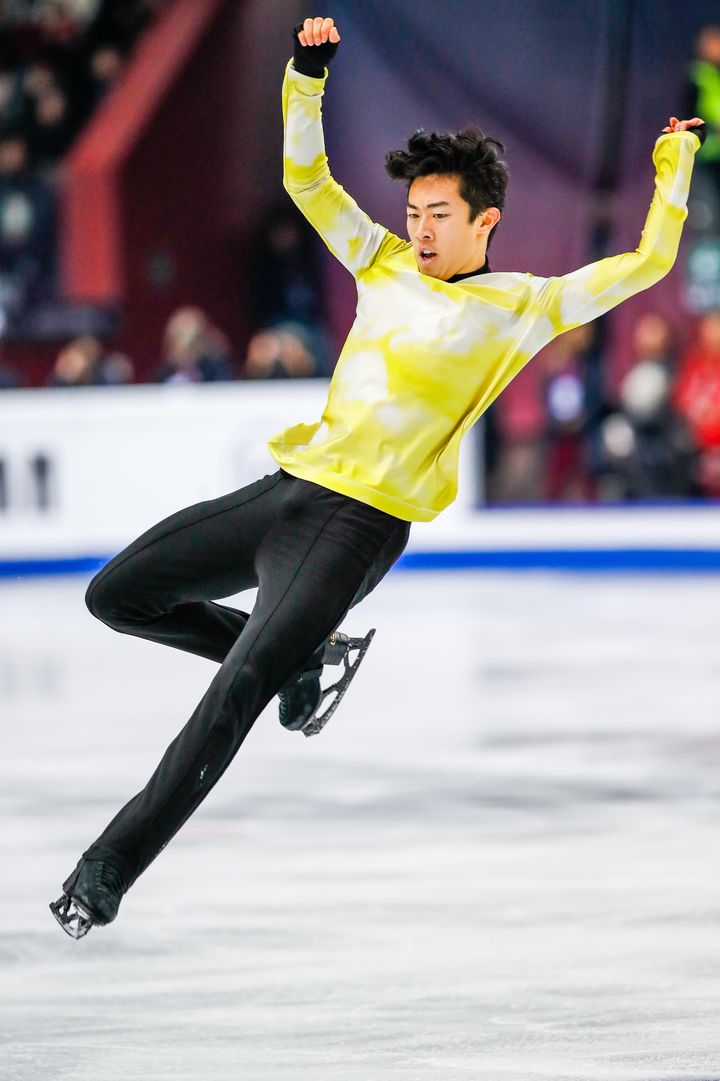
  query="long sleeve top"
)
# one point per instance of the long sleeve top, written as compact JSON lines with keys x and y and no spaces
{"x":424,"y":357}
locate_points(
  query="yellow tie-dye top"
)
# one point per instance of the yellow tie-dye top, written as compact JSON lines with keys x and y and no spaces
{"x":424,"y":357}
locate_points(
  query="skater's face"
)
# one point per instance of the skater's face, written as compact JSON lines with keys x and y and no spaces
{"x":445,"y":241}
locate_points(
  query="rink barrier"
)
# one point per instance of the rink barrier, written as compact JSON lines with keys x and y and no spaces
{"x":83,"y":473}
{"x":578,"y":560}
{"x":38,"y":568}
{"x":637,"y":560}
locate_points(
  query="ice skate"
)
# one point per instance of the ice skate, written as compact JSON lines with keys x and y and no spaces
{"x":302,"y":700}
{"x":91,"y":895}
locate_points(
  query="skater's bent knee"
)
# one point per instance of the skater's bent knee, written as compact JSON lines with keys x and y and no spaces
{"x":92,"y":594}
{"x":107,"y":600}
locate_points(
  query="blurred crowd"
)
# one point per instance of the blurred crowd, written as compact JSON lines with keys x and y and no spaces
{"x":58,"y":58}
{"x":654,"y":433}
{"x":194,"y":350}
{"x":657,"y":436}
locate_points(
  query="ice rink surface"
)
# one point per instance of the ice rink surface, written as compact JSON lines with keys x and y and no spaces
{"x":499,"y":861}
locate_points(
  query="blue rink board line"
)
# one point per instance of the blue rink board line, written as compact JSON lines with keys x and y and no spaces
{"x":636,"y":560}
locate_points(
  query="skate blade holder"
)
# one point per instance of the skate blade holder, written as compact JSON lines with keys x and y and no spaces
{"x":339,"y":647}
{"x":73,"y":919}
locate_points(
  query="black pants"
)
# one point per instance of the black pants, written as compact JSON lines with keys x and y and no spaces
{"x":312,"y":553}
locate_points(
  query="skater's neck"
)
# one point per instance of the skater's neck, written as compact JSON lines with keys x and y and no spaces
{"x":484,"y":269}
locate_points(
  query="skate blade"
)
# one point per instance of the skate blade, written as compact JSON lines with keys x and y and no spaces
{"x":71,"y":916}
{"x":320,"y":719}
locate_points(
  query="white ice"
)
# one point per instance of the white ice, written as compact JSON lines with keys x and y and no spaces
{"x":499,"y":862}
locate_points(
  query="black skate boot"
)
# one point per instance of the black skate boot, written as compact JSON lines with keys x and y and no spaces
{"x":92,"y":895}
{"x":301,"y":699}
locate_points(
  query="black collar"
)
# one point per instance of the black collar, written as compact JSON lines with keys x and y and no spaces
{"x":484,"y":269}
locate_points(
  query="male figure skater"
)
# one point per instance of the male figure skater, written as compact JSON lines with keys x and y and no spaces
{"x":437,"y":337}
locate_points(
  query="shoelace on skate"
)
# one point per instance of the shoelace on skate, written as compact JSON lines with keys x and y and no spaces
{"x":108,"y":879}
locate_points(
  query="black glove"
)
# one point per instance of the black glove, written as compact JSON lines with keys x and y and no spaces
{"x":701,"y":132}
{"x":312,"y":59}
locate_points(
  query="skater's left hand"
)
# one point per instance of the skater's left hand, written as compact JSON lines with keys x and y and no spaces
{"x":685,"y":125}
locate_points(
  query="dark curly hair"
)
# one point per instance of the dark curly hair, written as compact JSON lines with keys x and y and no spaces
{"x":469,"y":154}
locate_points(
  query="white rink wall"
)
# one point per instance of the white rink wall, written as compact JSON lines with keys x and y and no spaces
{"x":84,"y":470}
{"x":122,"y":458}
{"x":116,"y":460}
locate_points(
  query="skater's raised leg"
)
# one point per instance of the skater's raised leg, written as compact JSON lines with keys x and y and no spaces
{"x":164,"y":585}
{"x":160,"y":587}
{"x":329,"y":553}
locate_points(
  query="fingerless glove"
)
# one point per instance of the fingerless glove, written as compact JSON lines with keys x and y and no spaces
{"x":700,"y":131}
{"x":312,"y":59}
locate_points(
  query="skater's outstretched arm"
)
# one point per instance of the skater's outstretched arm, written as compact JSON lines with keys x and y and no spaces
{"x":349,"y":233}
{"x":593,"y":290}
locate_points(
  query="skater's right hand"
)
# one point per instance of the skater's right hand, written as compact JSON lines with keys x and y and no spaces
{"x":696,"y":124}
{"x":316,"y":42}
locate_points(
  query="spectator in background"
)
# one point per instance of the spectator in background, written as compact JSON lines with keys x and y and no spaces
{"x":573,"y":408}
{"x":119,"y":23}
{"x":58,"y":58}
{"x":649,"y":449}
{"x":703,"y":99}
{"x":286,"y":270}
{"x":194,"y":350}
{"x":697,"y":397}
{"x":85,"y":363}
{"x":77,"y":364}
{"x":116,"y":370}
{"x":63,"y":50}
{"x":284,"y":351}
{"x":13,"y":93}
{"x":111,"y":37}
{"x":27,"y":228}
{"x":51,"y":128}
{"x":33,"y":81}
{"x":8,"y":92}
{"x":653,"y":339}
{"x":489,"y":455}
{"x":9,"y":378}
{"x":106,"y":65}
